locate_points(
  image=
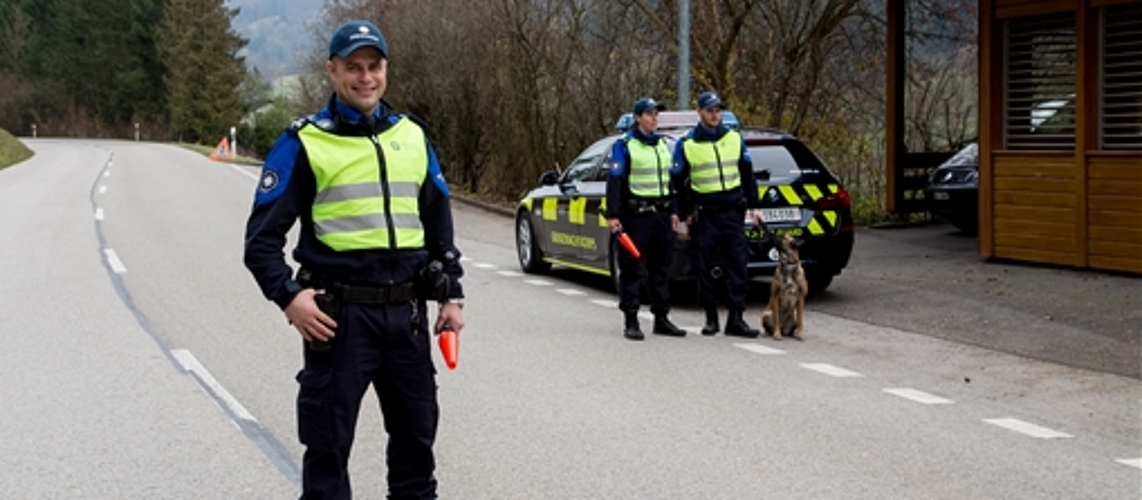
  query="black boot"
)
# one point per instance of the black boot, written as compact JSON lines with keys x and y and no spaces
{"x":663,"y":326}
{"x":736,"y":326}
{"x":632,"y":331}
{"x":711,"y":326}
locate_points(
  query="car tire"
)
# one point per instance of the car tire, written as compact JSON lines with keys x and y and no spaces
{"x":818,"y":281}
{"x":527,"y":247}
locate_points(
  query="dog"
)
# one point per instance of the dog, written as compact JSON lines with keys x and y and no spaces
{"x":785,"y":313}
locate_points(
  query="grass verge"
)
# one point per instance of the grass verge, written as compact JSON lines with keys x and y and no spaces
{"x":12,"y":151}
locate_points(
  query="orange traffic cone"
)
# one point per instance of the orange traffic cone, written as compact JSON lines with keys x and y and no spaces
{"x":450,"y":348}
{"x":624,"y":238}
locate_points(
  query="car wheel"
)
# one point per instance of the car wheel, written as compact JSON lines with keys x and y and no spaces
{"x":527,"y":247}
{"x":818,"y":281}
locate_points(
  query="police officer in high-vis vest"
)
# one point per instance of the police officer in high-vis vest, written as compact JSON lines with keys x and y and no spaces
{"x":713,"y":173}
{"x":640,"y":202}
{"x":375,"y":245}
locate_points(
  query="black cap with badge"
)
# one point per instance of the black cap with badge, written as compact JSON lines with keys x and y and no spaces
{"x":354,"y":35}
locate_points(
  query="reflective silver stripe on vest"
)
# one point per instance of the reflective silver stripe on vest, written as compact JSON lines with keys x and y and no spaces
{"x":731,"y":174}
{"x":365,"y":223}
{"x":366,"y":190}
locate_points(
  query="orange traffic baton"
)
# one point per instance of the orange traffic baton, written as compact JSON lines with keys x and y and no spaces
{"x":625,"y":240}
{"x":450,"y":348}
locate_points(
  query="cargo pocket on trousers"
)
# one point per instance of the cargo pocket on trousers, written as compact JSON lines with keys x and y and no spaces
{"x":314,"y":416}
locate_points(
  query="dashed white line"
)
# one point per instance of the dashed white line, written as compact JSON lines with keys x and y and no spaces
{"x":509,"y":274}
{"x":571,"y":292}
{"x":99,"y":214}
{"x":1014,"y":424}
{"x":102,"y":189}
{"x":484,"y":265}
{"x":114,"y":262}
{"x":244,"y":172}
{"x":834,"y":371}
{"x":760,"y":349}
{"x":107,"y":173}
{"x":1133,"y":462}
{"x":191,"y":364}
{"x":538,"y":282}
{"x":645,"y":315}
{"x":604,"y":303}
{"x":919,"y":396}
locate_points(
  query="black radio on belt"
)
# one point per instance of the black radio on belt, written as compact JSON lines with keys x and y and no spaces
{"x":646,"y":206}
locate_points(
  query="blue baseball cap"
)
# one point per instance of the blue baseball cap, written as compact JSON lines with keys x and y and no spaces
{"x":646,"y":104}
{"x":710,"y":99}
{"x":354,"y":35}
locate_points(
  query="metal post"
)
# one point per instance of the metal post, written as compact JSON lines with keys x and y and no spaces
{"x":33,"y":130}
{"x":136,"y":132}
{"x":233,"y":142}
{"x":684,"y":54}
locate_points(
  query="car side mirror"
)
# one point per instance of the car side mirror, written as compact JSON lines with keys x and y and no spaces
{"x":549,"y":178}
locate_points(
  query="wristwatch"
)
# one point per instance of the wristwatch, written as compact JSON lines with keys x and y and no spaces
{"x":456,"y":300}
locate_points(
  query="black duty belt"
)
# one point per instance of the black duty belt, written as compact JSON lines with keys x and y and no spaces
{"x":358,"y":294}
{"x":647,"y":206}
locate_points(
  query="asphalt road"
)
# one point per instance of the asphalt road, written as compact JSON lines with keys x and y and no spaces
{"x":141,"y":362}
{"x":929,"y":279}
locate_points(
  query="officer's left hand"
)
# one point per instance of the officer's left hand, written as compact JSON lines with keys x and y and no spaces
{"x":757,"y":220}
{"x":451,"y":317}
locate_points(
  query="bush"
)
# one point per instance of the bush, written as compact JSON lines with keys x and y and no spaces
{"x":263,"y":127}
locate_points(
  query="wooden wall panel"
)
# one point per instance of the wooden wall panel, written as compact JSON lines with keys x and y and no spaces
{"x":1114,"y":212}
{"x":1035,"y":208}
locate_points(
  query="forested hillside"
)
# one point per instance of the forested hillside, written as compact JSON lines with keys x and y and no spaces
{"x":279,"y":33}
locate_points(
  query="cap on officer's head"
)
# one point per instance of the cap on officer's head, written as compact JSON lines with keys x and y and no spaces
{"x":354,"y":35}
{"x":646,"y":104}
{"x":709,"y":99}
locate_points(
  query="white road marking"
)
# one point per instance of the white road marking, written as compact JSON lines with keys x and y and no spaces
{"x":114,"y":262}
{"x":1027,"y":428}
{"x":538,"y":282}
{"x":571,"y":292}
{"x":244,"y":172}
{"x":760,"y":349}
{"x":645,"y":315}
{"x":834,"y":371}
{"x":102,"y":189}
{"x":919,"y":396}
{"x":604,"y":303}
{"x":191,"y":364}
{"x":484,"y":265}
{"x":1133,"y":462}
{"x":509,"y":274}
{"x":99,"y":214}
{"x":107,"y":173}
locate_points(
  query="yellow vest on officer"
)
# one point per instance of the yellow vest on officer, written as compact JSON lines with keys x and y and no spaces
{"x":714,"y":164}
{"x":649,"y":168}
{"x":368,"y":187}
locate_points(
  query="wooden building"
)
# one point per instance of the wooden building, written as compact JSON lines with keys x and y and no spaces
{"x":1061,"y":132}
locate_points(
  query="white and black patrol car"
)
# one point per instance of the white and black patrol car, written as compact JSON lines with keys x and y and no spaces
{"x":561,"y":222}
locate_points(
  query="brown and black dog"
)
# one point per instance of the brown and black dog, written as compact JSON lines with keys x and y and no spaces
{"x":786,"y":310}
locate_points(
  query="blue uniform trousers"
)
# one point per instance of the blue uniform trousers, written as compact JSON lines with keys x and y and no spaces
{"x":386,"y":345}
{"x":718,"y":243}
{"x":653,"y":235}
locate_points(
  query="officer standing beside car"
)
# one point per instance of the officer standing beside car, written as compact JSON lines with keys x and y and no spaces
{"x":713,"y":175}
{"x":374,"y":213}
{"x":640,"y":202}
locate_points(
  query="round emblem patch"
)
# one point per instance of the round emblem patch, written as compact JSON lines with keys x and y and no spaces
{"x":268,"y":182}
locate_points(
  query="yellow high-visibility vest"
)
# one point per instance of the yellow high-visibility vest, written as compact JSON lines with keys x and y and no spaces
{"x":649,"y":168}
{"x":368,"y":186}
{"x":714,"y":164}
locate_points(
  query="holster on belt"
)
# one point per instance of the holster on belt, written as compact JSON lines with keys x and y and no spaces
{"x":358,"y":294}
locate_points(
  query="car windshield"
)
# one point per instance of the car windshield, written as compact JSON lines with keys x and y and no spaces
{"x":586,"y":166}
{"x":966,"y":157}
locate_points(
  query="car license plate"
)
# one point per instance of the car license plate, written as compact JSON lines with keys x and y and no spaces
{"x":940,"y":195}
{"x":781,"y":215}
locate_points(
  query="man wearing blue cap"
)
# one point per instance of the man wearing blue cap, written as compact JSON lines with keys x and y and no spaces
{"x":374,"y":212}
{"x":640,"y":201}
{"x":713,"y":174}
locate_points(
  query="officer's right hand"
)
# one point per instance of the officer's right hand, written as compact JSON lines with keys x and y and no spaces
{"x":614,"y":225}
{"x":310,"y":322}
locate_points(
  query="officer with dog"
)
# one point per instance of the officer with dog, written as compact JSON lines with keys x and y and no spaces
{"x":713,"y":175}
{"x":640,"y":202}
{"x":375,"y":243}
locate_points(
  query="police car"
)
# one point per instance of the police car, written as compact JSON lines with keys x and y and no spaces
{"x":561,"y":222}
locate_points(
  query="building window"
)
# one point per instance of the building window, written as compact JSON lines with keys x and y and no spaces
{"x":1120,"y":113}
{"x":1039,"y":82}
